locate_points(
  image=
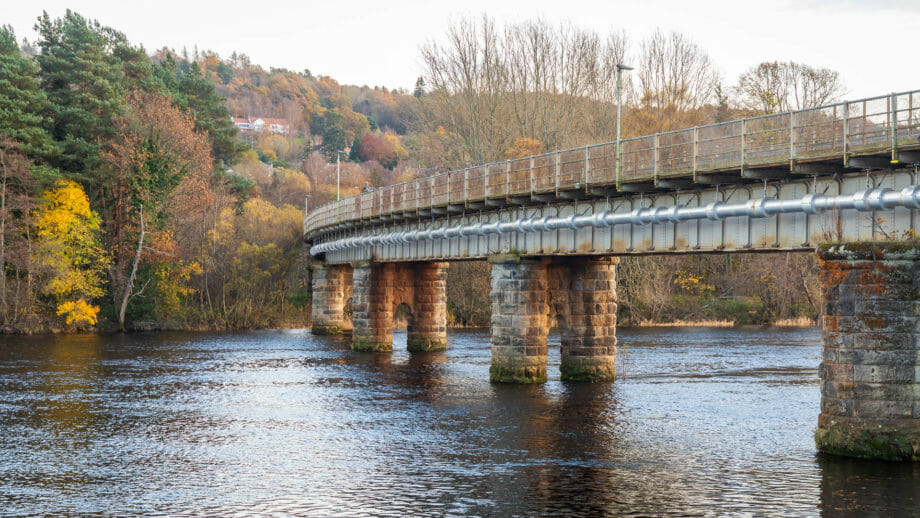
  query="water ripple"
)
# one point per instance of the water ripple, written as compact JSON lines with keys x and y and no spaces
{"x":702,"y":422}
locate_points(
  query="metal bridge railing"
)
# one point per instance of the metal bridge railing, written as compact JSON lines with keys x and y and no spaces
{"x":862,"y":127}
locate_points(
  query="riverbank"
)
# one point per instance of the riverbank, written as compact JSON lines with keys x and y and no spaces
{"x":145,"y":327}
{"x":290,"y":321}
{"x":786,"y":322}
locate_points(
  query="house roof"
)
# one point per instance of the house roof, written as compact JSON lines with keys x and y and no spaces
{"x":280,"y":122}
{"x":263,"y":120}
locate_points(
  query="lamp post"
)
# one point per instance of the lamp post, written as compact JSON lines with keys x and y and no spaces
{"x":306,"y":212}
{"x":620,"y":69}
{"x":338,"y":183}
{"x":338,"y":180}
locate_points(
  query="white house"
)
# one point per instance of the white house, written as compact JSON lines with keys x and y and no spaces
{"x":277,"y":126}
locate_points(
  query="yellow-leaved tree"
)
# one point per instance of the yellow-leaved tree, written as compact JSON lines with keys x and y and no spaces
{"x":172,"y":274}
{"x":398,"y":149}
{"x":250,"y":251}
{"x":69,"y":252}
{"x":524,"y":147}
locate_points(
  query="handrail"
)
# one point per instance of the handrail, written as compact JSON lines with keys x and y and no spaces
{"x":862,"y":126}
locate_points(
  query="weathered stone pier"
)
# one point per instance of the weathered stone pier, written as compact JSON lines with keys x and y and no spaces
{"x":376,"y":291}
{"x":870,"y":376}
{"x":580,"y":292}
{"x":332,"y":287}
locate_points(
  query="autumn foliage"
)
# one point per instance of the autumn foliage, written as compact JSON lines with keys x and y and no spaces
{"x":69,"y":252}
{"x":128,"y":197}
{"x":118,"y":205}
{"x":524,"y":147}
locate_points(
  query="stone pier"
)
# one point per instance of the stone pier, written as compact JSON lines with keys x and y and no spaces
{"x":870,"y":374}
{"x":520,"y":320}
{"x":373,"y":307}
{"x":580,"y":292}
{"x":332,"y":287}
{"x":427,"y":329}
{"x":380,"y":288}
{"x":583,"y":293}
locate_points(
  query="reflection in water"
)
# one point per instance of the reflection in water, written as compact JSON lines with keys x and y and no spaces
{"x":578,"y":430}
{"x":70,"y":372}
{"x":858,"y":488}
{"x":704,"y":422}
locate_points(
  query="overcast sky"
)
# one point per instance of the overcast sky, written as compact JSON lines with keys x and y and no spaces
{"x":872,"y":43}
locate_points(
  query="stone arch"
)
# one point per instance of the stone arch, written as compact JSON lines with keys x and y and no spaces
{"x":402,"y":312}
{"x":579,"y":291}
{"x":381,"y":288}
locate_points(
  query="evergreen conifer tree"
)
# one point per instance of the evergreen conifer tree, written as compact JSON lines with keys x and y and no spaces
{"x":84,"y":85}
{"x":22,"y":102}
{"x":198,"y":94}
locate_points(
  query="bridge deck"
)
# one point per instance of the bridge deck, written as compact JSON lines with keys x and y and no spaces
{"x":864,"y":134}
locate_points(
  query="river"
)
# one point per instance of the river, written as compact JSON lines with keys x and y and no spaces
{"x":701,"y":422}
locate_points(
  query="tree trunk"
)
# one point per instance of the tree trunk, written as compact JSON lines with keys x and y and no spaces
{"x":129,"y":286}
{"x":5,"y":173}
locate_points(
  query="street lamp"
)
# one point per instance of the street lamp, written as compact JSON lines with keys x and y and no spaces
{"x":306,"y":212}
{"x":337,"y":175}
{"x":620,"y":69}
{"x":338,"y":183}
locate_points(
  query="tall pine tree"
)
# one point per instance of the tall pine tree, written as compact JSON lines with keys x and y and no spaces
{"x":209,"y":108}
{"x":22,"y":102}
{"x":84,"y":84}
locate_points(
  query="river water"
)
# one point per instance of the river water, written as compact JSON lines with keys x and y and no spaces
{"x":701,"y":422}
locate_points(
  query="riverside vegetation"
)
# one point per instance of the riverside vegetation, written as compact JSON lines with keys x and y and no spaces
{"x":129,"y":199}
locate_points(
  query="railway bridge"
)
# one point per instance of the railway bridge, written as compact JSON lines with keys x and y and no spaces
{"x":841,"y":180}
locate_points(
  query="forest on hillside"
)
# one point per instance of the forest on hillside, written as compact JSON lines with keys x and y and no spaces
{"x":136,"y":191}
{"x":118,"y":205}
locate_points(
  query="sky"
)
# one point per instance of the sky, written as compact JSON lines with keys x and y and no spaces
{"x":872,"y":43}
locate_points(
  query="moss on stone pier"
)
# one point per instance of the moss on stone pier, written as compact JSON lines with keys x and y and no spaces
{"x":870,"y":250}
{"x":369,"y":346}
{"x":579,"y":371}
{"x":519,"y":374}
{"x":884,"y":444}
{"x":319,"y":329}
{"x":425,"y":345}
